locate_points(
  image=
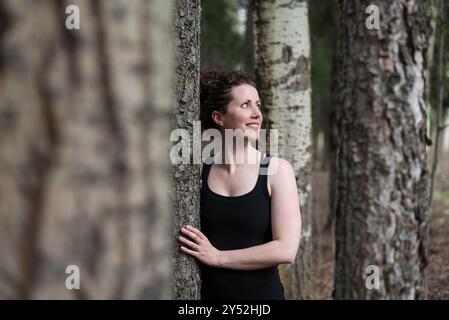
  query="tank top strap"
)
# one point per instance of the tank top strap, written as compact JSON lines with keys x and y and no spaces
{"x":263,"y":173}
{"x":264,"y":163}
{"x":205,"y":172}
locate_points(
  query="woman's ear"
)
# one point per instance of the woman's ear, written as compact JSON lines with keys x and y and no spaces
{"x":217,"y":117}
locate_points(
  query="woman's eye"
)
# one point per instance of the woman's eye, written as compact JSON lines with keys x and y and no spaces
{"x":245,"y":105}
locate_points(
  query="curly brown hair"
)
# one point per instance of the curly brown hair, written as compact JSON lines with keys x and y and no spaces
{"x":215,"y":87}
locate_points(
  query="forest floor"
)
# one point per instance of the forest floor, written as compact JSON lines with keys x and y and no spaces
{"x":438,"y":269}
{"x":323,"y":240}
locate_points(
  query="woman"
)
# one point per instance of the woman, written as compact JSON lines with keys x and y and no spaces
{"x":250,"y":221}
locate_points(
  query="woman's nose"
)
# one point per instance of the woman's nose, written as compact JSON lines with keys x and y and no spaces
{"x":256,"y":113}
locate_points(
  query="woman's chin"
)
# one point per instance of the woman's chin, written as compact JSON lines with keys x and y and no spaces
{"x":252,"y":134}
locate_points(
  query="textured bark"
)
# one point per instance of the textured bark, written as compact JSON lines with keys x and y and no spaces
{"x":283,"y":74}
{"x":84,"y":172}
{"x":186,"y":279}
{"x":382,"y":195}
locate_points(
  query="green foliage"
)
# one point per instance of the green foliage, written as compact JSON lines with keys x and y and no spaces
{"x":221,"y":43}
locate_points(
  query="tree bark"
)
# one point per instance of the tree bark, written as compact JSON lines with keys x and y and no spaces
{"x":382,"y":198}
{"x":283,"y":75}
{"x":186,"y":278}
{"x":84,"y":173}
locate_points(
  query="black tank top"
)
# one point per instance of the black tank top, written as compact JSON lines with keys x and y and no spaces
{"x":237,"y":223}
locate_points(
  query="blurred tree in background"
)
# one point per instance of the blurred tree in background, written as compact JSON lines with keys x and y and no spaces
{"x":440,"y":28}
{"x":323,"y":28}
{"x":439,"y":85}
{"x":84,"y":151}
{"x":222,"y":34}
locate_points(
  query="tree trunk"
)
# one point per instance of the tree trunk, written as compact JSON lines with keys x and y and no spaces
{"x":248,"y":62}
{"x":84,"y":171}
{"x":332,"y":140}
{"x":283,"y":74}
{"x":186,"y":278}
{"x":382,"y":198}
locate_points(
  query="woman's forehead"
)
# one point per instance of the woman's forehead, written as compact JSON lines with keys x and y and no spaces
{"x":245,"y":91}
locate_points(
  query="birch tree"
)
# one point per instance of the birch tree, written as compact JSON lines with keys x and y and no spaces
{"x":283,"y":74}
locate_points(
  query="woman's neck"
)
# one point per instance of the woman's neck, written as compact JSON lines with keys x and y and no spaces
{"x":235,"y":157}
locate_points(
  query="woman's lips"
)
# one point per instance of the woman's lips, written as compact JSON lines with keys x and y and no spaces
{"x":253,"y":125}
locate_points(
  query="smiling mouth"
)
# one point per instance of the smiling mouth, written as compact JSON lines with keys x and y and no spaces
{"x":253,"y":125}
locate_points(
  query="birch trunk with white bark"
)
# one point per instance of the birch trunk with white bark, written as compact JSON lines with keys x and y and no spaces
{"x":282,"y":45}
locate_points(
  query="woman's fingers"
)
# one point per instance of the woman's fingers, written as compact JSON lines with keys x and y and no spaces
{"x":191,"y":244}
{"x":200,"y":248}
{"x":195,"y":231}
{"x":191,"y":234}
{"x":191,"y":252}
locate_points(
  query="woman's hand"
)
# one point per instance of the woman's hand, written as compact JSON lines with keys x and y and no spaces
{"x":200,"y":247}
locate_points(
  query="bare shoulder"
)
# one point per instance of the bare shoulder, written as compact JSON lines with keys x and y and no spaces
{"x":280,"y":175}
{"x":280,"y":169}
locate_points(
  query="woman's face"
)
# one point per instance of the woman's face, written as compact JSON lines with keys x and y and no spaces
{"x":243,"y":112}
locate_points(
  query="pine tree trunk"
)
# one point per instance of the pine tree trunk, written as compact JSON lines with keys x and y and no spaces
{"x":84,"y":171}
{"x":186,"y":278}
{"x":382,"y":176}
{"x":283,"y":74}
